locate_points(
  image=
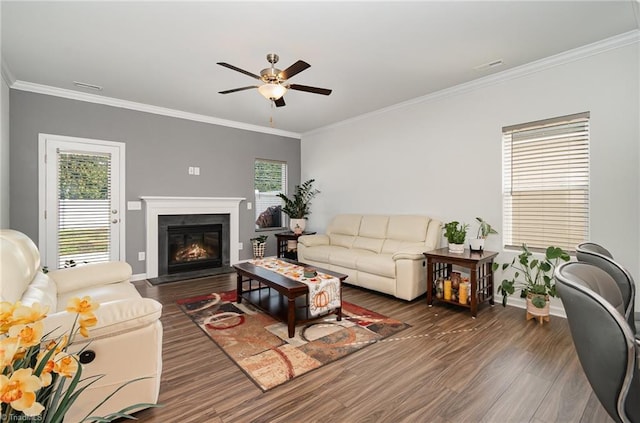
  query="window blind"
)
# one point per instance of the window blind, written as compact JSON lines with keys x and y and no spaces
{"x":546,"y":183}
{"x":84,"y":205}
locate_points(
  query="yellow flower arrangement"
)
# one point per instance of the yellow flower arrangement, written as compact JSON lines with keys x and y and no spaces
{"x":34,"y":371}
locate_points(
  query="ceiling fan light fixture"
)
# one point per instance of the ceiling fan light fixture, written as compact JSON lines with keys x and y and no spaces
{"x":272,"y":91}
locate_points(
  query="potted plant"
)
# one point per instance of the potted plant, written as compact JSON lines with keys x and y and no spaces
{"x":484,"y":230}
{"x":298,"y":207}
{"x":534,"y":277}
{"x":259,"y":244}
{"x":455,"y":233}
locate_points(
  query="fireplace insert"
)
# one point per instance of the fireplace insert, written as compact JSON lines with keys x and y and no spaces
{"x":193,"y":247}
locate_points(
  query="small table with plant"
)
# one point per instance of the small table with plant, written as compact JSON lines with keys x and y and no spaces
{"x":287,"y":242}
{"x":440,"y":264}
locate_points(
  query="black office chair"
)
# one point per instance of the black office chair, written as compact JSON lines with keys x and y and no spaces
{"x":605,"y":343}
{"x":590,"y":252}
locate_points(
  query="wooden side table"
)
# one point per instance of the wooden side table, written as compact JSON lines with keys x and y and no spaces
{"x":283,"y":238}
{"x":440,"y":263}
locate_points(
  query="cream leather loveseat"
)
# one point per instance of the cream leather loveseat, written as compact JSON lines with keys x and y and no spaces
{"x":378,"y":252}
{"x":127,"y":340}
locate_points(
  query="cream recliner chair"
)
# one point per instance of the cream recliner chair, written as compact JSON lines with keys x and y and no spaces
{"x":127,"y":340}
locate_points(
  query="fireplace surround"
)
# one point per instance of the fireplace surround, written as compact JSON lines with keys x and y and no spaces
{"x":162,"y":206}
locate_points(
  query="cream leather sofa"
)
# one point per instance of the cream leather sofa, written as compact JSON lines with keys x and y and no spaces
{"x":378,"y":252}
{"x":127,"y":340}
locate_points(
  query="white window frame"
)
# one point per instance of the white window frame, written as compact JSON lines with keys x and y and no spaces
{"x":259,"y":209}
{"x":541,"y":170}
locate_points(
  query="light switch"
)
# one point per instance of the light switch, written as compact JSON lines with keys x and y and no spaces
{"x":190,"y":170}
{"x":196,"y":170}
{"x":134,"y":205}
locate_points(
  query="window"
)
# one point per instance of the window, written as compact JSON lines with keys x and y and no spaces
{"x":84,"y":218}
{"x":546,"y":183}
{"x":270,"y":179}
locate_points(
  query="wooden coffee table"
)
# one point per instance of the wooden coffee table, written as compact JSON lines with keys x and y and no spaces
{"x":283,"y":298}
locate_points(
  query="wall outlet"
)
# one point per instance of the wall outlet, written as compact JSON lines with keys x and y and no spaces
{"x":240,"y":246}
{"x":249,"y":205}
{"x":141,"y":256}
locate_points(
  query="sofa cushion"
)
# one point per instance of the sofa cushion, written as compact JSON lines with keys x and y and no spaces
{"x":408,"y":228}
{"x":373,"y":226}
{"x":75,"y":278}
{"x":42,"y":290}
{"x":377,"y":264}
{"x":347,"y":257}
{"x":345,"y":224}
{"x":372,"y":244}
{"x":319,"y":253}
{"x":21,"y":253}
{"x":101,"y":293}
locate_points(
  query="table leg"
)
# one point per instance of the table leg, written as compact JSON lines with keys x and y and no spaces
{"x":239,"y":289}
{"x":291,"y":317}
{"x":489,"y":273}
{"x":474,"y":291}
{"x":429,"y":281}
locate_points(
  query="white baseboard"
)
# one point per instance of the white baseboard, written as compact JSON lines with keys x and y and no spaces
{"x":138,"y":277}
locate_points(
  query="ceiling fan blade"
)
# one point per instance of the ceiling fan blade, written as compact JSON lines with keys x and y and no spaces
{"x":306,"y":88}
{"x":237,"y":89}
{"x":294,"y":69}
{"x":226,"y":65}
{"x":280,"y":102}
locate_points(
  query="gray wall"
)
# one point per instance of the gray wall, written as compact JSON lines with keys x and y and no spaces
{"x":4,"y":155}
{"x":159,"y":150}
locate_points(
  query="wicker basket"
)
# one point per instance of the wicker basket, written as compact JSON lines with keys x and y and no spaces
{"x":258,"y":249}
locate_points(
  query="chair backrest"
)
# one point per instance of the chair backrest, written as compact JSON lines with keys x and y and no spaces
{"x":590,"y":252}
{"x":19,"y":264}
{"x":602,"y":337}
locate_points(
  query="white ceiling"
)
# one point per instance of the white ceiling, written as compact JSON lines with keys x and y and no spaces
{"x":372,"y":54}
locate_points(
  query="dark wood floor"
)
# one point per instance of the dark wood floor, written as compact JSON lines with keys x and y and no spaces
{"x":447,"y":367}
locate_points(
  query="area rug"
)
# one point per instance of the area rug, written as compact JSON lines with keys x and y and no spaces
{"x":259,"y":344}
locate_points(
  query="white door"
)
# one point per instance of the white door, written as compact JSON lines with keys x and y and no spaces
{"x":82,"y":194}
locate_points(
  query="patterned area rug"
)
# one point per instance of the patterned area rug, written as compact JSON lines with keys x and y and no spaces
{"x":259,"y":345}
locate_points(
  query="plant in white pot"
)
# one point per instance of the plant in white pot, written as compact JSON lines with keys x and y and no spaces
{"x":259,"y":245}
{"x":534,"y":277}
{"x":484,"y":230}
{"x":299,"y":207}
{"x":455,"y":233}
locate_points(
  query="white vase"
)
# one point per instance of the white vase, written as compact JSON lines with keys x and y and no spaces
{"x":476,"y":244}
{"x":297,"y":226}
{"x":456,"y":248}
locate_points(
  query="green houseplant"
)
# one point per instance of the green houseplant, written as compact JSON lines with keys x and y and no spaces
{"x":455,"y":233}
{"x":299,"y":207}
{"x":534,"y":277}
{"x":484,"y":230}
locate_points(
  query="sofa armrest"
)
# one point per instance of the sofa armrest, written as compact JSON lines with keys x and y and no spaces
{"x":313,"y":240}
{"x":409,"y":253}
{"x":74,"y":278}
{"x":114,"y":317}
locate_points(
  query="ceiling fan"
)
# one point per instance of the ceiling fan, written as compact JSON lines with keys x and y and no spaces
{"x":274,"y":80}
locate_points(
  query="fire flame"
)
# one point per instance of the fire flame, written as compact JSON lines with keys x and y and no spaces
{"x":192,"y":252}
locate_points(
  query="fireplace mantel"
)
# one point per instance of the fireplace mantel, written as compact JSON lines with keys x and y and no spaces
{"x":157,"y":206}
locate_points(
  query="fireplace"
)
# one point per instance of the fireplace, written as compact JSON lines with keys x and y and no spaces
{"x":156,"y":207}
{"x":192,"y":242}
{"x":193,"y":247}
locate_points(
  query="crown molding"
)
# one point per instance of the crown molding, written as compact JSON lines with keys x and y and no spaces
{"x":141,"y":107}
{"x":618,"y":41}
